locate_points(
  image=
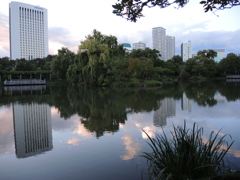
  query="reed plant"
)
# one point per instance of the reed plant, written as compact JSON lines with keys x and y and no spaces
{"x":185,"y":155}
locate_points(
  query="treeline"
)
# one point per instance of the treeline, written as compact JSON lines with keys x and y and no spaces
{"x":101,"y":61}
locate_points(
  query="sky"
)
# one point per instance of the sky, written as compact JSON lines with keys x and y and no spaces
{"x":69,"y":22}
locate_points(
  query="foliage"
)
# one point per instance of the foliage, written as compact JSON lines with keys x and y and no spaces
{"x":230,"y":65}
{"x":61,"y":63}
{"x":132,"y":9}
{"x":201,"y":65}
{"x":140,"y":68}
{"x":186,"y":155}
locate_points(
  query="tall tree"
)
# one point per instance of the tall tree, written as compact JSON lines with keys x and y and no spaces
{"x":61,"y":63}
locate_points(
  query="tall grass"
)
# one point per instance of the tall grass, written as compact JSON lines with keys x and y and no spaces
{"x":185,"y":155}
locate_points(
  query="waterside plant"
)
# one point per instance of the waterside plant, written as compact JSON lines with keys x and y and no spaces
{"x":186,"y":155}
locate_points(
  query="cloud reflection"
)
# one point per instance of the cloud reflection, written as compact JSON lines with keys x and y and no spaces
{"x":74,"y":141}
{"x":132,"y":148}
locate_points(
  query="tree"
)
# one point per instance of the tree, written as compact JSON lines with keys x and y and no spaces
{"x":230,"y":65}
{"x":140,"y":68}
{"x":132,"y":9}
{"x":61,"y":63}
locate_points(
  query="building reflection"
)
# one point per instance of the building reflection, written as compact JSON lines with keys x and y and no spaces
{"x":186,"y":103}
{"x":32,"y":129}
{"x":167,"y":108}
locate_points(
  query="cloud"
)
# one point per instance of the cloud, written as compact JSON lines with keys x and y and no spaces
{"x":61,"y":37}
{"x":4,"y":36}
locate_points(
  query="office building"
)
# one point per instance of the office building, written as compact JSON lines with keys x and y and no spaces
{"x":139,"y":45}
{"x":159,"y":41}
{"x":32,"y":129}
{"x":220,"y":54}
{"x":127,"y":47}
{"x":170,"y":47}
{"x":186,"y":50}
{"x":28,"y":30}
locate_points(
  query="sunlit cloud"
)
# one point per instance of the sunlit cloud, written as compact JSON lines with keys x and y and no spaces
{"x":132,"y":148}
{"x":74,"y":141}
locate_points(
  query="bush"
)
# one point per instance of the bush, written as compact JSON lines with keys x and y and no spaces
{"x":186,"y":155}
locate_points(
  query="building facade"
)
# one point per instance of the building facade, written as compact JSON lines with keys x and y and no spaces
{"x":220,"y":54}
{"x":139,"y":45}
{"x":170,"y":47}
{"x":159,"y":41}
{"x":28,"y":30}
{"x":186,"y":51}
{"x":127,"y":47}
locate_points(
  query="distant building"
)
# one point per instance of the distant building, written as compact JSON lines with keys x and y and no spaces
{"x":139,"y":45}
{"x":127,"y":47}
{"x":170,"y":47}
{"x":159,"y":41}
{"x":220,"y":54}
{"x":28,"y":30}
{"x":186,"y":50}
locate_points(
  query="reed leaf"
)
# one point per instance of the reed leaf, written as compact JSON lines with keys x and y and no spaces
{"x":185,"y":155}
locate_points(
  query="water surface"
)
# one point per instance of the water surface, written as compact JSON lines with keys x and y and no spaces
{"x":96,"y":133}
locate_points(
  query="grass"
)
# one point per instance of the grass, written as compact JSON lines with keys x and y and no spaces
{"x":185,"y":155}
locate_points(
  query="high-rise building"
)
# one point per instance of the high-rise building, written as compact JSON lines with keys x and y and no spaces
{"x":139,"y":45}
{"x":159,"y":41}
{"x":32,"y":129}
{"x":186,"y":50}
{"x":170,"y":47}
{"x":220,"y":54}
{"x":28,"y":26}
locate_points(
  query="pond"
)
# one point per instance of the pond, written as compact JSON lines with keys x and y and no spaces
{"x":97,"y":133}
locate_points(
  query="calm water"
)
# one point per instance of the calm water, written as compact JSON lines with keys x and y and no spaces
{"x":72,"y":133}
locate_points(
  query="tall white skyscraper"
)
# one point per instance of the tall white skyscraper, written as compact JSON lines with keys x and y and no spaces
{"x":170,"y":47}
{"x":186,"y":50}
{"x":139,"y":45}
{"x":159,"y":41}
{"x":28,"y":26}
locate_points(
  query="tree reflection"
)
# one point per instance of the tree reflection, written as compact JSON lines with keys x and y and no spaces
{"x":203,"y":93}
{"x":104,"y":109}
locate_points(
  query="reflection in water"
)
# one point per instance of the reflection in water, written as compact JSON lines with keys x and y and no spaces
{"x":32,"y":128}
{"x":167,"y":108}
{"x":186,"y":103}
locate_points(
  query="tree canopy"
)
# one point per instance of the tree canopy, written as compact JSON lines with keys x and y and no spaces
{"x":132,"y":9}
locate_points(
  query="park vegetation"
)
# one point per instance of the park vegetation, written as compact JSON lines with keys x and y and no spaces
{"x":101,"y":61}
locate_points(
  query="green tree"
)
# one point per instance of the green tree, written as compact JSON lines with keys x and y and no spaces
{"x":201,"y":65}
{"x":140,"y":68}
{"x":132,"y":9}
{"x":230,"y":65}
{"x":61,"y":63}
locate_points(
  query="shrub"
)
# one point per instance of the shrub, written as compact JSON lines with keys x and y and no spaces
{"x":185,"y":155}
